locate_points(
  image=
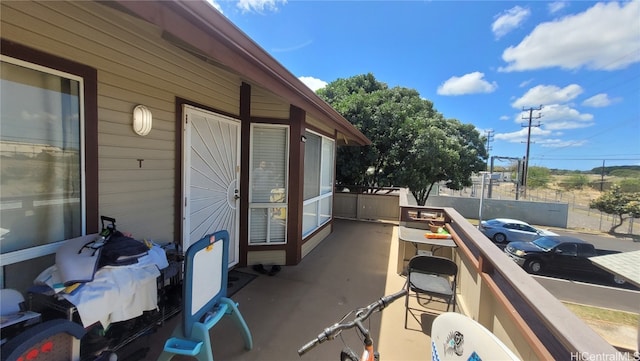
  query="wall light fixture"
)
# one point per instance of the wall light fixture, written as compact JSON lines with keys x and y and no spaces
{"x":142,"y":120}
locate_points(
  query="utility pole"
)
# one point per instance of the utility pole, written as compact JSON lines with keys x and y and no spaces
{"x":488,"y":147}
{"x":602,"y":177}
{"x":526,"y":159}
{"x":490,"y":133}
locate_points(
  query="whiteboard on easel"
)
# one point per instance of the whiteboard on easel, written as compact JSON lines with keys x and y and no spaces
{"x":207,"y":275}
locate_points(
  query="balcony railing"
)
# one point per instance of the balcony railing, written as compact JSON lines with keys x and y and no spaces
{"x":496,"y":292}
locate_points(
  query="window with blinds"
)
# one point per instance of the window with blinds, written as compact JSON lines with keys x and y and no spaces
{"x":268,"y":184}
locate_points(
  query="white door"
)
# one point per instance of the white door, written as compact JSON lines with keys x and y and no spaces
{"x":211,"y":161}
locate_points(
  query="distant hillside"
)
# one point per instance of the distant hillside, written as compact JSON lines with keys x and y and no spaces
{"x":619,"y":171}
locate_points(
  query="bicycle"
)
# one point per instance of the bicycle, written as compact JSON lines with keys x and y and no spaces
{"x":361,"y":315}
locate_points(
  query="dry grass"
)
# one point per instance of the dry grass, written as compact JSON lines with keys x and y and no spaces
{"x":603,"y":314}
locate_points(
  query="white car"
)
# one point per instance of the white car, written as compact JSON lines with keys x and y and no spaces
{"x":503,"y":230}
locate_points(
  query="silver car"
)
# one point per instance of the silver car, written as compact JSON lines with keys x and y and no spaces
{"x":502,"y":230}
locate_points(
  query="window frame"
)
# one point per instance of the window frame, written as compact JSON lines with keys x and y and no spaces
{"x":87,"y":76}
{"x":318,"y":200}
{"x":270,"y":207}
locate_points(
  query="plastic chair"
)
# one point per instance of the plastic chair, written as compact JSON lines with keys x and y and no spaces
{"x":432,"y":276}
{"x":204,"y":301}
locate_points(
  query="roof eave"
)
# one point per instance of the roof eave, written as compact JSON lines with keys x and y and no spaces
{"x":204,"y":28}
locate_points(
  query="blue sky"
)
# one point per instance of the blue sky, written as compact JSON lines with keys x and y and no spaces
{"x":481,"y":62}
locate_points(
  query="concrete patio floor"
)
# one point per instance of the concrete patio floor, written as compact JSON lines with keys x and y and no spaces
{"x":353,"y":267}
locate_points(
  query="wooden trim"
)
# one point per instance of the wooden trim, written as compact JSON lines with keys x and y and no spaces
{"x":90,"y":81}
{"x":485,"y":269}
{"x":245,"y":149}
{"x":296,"y":184}
{"x":267,"y":247}
{"x":178,"y":232}
{"x":533,"y":341}
{"x":265,"y":120}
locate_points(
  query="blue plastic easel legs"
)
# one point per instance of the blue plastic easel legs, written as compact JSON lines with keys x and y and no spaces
{"x":199,"y":344}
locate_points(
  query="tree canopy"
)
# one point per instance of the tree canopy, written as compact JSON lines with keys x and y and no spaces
{"x":413,"y":145}
{"x":621,"y":204}
{"x":538,"y":177}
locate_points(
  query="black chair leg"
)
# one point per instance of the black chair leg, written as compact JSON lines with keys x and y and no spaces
{"x":406,"y":308}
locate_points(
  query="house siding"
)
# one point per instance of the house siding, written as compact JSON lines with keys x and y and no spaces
{"x":316,"y":125}
{"x":266,"y":105}
{"x":135,"y":65}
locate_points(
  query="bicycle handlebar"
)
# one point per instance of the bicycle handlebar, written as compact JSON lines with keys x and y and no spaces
{"x":362,"y":314}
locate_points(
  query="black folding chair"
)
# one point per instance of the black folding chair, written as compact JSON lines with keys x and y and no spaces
{"x":432,"y":276}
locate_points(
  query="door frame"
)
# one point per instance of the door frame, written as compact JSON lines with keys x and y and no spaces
{"x":185,"y":109}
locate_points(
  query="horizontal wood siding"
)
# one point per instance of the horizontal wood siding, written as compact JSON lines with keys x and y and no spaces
{"x":135,"y":66}
{"x":267,"y":258}
{"x":318,"y":126}
{"x":266,"y":105}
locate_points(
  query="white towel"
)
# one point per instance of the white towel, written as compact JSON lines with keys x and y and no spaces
{"x":117,"y":293}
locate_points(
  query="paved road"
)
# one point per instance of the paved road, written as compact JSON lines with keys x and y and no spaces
{"x":593,"y":295}
{"x":595,"y":291}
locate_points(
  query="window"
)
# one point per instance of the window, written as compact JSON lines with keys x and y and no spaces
{"x":268,"y":184}
{"x":42,"y":185}
{"x":318,"y":182}
{"x":568,"y":249}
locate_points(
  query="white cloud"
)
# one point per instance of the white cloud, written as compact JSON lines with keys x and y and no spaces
{"x":471,"y":83}
{"x":598,"y":101}
{"x":604,"y":37}
{"x":555,"y":117}
{"x":505,"y":117}
{"x":259,"y":6}
{"x":547,"y":94}
{"x":312,"y":82}
{"x":293,"y":47}
{"x":521,"y":135}
{"x":525,"y":83}
{"x":559,"y":143}
{"x":556,"y":6}
{"x":509,"y":20}
{"x":215,"y":5}
{"x":541,"y":137}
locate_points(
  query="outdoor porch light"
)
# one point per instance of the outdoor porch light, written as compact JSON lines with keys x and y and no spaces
{"x":142,"y":119}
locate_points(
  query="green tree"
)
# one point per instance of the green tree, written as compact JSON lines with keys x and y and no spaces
{"x":618,"y":203}
{"x":413,"y":145}
{"x":576,"y":181}
{"x":538,"y":177}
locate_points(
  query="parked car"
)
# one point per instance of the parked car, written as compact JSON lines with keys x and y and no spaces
{"x":560,"y":255}
{"x":502,"y":230}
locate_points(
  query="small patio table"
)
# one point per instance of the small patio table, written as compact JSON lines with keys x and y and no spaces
{"x":416,"y":237}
